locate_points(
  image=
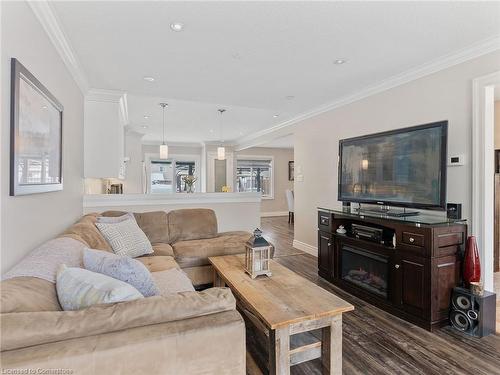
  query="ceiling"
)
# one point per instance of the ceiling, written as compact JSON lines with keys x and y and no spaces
{"x":258,"y":59}
{"x":281,"y":142}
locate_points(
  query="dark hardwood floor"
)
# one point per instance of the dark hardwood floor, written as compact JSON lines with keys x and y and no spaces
{"x":375,"y":342}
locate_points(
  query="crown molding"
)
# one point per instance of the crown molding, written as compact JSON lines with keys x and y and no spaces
{"x":476,"y":50}
{"x":48,"y":19}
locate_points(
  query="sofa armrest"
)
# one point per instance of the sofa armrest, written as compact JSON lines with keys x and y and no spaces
{"x":34,"y":328}
{"x":211,"y":344}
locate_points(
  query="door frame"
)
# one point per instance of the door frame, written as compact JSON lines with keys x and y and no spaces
{"x":482,"y":224}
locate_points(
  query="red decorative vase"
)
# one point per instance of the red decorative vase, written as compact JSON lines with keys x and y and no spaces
{"x":472,"y":267}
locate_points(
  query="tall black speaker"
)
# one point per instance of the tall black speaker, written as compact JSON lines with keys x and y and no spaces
{"x":472,"y":314}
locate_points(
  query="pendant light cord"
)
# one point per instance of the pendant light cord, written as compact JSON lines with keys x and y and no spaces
{"x":163,"y":105}
{"x":221,"y":111}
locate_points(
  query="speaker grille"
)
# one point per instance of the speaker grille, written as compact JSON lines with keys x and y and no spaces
{"x":460,"y":320}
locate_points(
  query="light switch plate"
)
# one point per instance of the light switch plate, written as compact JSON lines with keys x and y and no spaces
{"x":299,"y":178}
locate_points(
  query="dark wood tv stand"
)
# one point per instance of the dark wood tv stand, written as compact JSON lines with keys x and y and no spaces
{"x":410,"y":274}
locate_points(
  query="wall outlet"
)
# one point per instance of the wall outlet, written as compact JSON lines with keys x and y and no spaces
{"x":456,"y":160}
{"x":299,"y":178}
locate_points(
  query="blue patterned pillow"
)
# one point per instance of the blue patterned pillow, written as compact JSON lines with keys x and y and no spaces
{"x":122,"y":268}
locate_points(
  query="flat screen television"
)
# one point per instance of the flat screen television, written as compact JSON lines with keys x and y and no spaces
{"x":402,"y":168}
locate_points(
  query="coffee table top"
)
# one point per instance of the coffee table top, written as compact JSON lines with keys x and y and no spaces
{"x":279,"y":300}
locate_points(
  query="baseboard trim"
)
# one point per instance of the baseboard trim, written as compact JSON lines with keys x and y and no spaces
{"x":305,"y":247}
{"x":274,"y":213}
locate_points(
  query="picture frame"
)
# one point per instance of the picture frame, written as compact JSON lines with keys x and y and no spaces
{"x":36,"y":138}
{"x":291,"y":170}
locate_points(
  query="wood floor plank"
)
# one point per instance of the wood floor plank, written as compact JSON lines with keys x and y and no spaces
{"x":375,"y":342}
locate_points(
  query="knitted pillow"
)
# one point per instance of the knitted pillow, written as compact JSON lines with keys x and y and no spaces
{"x":122,"y":268}
{"x":126,"y":238}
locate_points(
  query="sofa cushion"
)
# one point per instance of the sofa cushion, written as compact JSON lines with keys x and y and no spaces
{"x":126,"y":238}
{"x":84,"y":230}
{"x":172,"y":281}
{"x":154,"y":224}
{"x":28,"y":294}
{"x":201,"y":275}
{"x":162,"y":249}
{"x":192,"y":224}
{"x":158,"y":263}
{"x":20,"y":330}
{"x":196,"y":252}
{"x":78,"y":288}
{"x":121,"y":268}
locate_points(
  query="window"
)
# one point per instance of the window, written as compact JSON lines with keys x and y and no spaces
{"x":166,"y":175}
{"x":161,"y":176}
{"x":255,"y":175}
{"x":183,"y":168}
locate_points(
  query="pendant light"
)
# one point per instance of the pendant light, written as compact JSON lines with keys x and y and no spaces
{"x":221,"y":150}
{"x":163,"y":146}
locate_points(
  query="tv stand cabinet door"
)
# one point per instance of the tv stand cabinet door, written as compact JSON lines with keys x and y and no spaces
{"x":325,"y":255}
{"x":411,"y":274}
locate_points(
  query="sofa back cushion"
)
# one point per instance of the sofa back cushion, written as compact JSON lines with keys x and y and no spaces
{"x":192,"y":224}
{"x":153,"y":224}
{"x":28,"y":294}
{"x":84,"y":230}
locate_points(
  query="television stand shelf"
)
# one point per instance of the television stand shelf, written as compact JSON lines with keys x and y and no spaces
{"x":407,"y":266}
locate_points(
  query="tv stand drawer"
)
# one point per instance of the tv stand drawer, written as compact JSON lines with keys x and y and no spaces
{"x":413,"y":239}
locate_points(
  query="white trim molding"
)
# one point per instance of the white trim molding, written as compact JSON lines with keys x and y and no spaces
{"x":482,"y":225}
{"x":116,"y":200}
{"x":476,"y":50}
{"x":48,"y":19}
{"x":313,"y":250}
{"x":274,"y":213}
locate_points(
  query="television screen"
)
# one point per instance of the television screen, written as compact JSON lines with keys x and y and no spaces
{"x":405,"y":167}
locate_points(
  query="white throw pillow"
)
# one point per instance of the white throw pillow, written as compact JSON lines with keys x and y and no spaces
{"x":172,"y":281}
{"x":126,"y":238}
{"x":78,"y":288}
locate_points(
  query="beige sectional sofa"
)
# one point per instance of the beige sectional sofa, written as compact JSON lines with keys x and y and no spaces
{"x":187,"y":333}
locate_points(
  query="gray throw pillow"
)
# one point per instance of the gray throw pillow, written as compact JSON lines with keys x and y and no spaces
{"x":126,"y":238}
{"x":122,"y":268}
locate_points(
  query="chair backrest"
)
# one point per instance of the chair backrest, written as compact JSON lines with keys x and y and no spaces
{"x":289,"y":199}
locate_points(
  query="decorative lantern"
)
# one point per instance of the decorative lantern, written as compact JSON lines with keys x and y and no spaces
{"x":257,"y":255}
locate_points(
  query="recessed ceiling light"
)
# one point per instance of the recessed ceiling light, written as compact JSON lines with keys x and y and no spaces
{"x":147,"y":116}
{"x":211,"y":130}
{"x":340,"y":61}
{"x":177,"y":26}
{"x":44,"y":106}
{"x":289,"y":97}
{"x":275,"y":115}
{"x":148,"y":79}
{"x":144,"y":126}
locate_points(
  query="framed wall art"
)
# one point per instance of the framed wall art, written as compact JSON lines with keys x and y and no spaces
{"x":35,"y":135}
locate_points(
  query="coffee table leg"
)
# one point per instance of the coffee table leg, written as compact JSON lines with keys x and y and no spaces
{"x":218,"y":281}
{"x":279,"y":351}
{"x":331,"y":348}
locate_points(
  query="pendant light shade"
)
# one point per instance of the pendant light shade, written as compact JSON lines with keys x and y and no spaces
{"x":221,"y":153}
{"x":221,"y":150}
{"x":163,"y":152}
{"x":163,"y":146}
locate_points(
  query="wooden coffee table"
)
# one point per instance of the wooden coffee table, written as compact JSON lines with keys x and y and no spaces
{"x":283,"y":305}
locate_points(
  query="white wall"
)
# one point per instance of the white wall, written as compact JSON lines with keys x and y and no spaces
{"x":280,"y":176}
{"x":446,"y":95}
{"x":27,"y":221}
{"x":497,"y":124}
